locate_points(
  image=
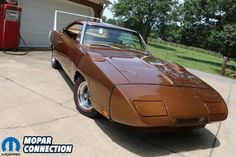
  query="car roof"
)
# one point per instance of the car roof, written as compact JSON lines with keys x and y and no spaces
{"x":102,"y":24}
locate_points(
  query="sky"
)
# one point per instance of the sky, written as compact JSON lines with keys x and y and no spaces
{"x":109,"y":15}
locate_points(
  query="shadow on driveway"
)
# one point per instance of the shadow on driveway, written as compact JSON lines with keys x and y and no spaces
{"x":159,"y":143}
{"x":67,"y":79}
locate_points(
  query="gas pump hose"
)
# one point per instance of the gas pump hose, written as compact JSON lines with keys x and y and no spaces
{"x":21,"y":53}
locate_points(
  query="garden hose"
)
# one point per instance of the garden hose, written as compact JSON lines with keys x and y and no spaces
{"x":18,"y":53}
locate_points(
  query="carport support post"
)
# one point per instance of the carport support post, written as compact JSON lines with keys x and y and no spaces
{"x":55,"y":21}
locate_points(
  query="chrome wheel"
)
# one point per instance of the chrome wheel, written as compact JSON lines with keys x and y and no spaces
{"x":83,"y":97}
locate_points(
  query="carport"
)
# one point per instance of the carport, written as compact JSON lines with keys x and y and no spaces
{"x":38,"y":17}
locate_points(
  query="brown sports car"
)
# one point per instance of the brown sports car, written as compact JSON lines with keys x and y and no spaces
{"x":115,"y":75}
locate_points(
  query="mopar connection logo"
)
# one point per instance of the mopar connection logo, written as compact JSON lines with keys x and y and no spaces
{"x":44,"y":144}
{"x":11,"y":147}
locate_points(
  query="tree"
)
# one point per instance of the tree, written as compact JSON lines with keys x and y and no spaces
{"x":210,"y":25}
{"x":199,"y":17}
{"x":117,"y":22}
{"x":202,"y":19}
{"x":104,"y":18}
{"x":225,"y":42}
{"x":143,"y":16}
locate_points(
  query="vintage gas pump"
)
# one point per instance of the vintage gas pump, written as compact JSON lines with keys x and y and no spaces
{"x":10,"y":18}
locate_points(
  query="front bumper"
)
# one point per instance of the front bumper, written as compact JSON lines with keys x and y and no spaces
{"x":157,"y":106}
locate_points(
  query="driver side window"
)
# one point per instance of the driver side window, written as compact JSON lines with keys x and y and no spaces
{"x":74,"y":31}
{"x":130,"y":40}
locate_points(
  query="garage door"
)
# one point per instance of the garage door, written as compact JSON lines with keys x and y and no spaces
{"x":38,"y":19}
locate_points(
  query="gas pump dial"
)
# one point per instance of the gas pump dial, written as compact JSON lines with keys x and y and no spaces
{"x":13,"y":2}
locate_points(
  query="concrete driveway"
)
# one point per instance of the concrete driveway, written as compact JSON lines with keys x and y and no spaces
{"x":36,"y":100}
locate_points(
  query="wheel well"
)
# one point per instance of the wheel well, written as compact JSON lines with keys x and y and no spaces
{"x":78,"y":75}
{"x":51,"y":48}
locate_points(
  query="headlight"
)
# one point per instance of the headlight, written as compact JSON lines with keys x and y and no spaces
{"x":151,"y":108}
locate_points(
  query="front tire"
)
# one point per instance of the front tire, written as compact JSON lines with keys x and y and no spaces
{"x":82,"y":99}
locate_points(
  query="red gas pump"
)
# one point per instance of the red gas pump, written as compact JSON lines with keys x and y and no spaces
{"x":10,"y":17}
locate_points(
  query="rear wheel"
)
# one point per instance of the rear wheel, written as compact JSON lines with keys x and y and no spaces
{"x":82,"y":99}
{"x":54,"y":62}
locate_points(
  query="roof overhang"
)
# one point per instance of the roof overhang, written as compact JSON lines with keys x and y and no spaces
{"x":102,"y":2}
{"x":97,"y":5}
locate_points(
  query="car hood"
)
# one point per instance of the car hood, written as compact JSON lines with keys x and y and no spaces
{"x":138,"y":68}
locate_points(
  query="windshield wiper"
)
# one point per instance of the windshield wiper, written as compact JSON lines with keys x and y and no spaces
{"x":105,"y":45}
{"x":137,"y":50}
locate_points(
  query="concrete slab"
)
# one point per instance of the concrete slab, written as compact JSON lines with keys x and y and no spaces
{"x":36,"y":100}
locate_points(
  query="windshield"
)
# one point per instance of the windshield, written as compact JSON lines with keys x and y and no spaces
{"x":115,"y":38}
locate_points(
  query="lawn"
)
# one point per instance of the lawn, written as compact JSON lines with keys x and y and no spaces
{"x":192,"y":59}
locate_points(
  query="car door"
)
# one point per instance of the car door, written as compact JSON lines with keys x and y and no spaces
{"x":67,"y":41}
{"x":74,"y":31}
{"x":60,"y":45}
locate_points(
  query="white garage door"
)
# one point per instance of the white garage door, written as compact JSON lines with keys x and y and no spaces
{"x":38,"y":18}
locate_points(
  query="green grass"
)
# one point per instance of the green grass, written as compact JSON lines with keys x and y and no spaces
{"x":191,"y":59}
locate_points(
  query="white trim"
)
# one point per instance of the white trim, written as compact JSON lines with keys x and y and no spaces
{"x":74,"y":14}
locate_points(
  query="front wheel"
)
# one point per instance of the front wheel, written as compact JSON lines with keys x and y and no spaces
{"x":82,"y":99}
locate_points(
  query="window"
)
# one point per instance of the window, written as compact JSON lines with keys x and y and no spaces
{"x":76,"y":28}
{"x":74,"y":31}
{"x":131,"y":40}
{"x":112,"y":37}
